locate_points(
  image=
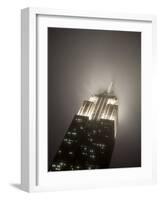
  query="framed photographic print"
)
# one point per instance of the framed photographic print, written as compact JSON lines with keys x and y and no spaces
{"x":86,"y":99}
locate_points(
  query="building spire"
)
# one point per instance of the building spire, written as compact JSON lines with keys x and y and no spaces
{"x":110,"y":87}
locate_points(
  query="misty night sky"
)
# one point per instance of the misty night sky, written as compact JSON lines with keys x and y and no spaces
{"x":84,"y":62}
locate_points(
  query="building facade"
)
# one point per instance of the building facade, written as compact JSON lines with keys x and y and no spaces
{"x":89,"y":140}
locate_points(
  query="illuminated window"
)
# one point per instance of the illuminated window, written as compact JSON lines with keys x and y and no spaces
{"x":102,"y":146}
{"x":78,"y":120}
{"x":62,"y":163}
{"x":58,"y":167}
{"x":59,"y":151}
{"x":91,"y":140}
{"x":92,"y":156}
{"x":70,"y":153}
{"x":68,"y":141}
{"x":91,"y":150}
{"x":85,"y":148}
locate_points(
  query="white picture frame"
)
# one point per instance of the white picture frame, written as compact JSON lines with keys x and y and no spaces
{"x":34,"y":176}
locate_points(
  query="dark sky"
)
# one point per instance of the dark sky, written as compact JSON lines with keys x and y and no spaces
{"x":83,"y":62}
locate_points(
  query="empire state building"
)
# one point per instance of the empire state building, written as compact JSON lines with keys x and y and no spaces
{"x":89,"y":141}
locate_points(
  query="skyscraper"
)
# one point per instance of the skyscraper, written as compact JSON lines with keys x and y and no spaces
{"x":90,"y":138}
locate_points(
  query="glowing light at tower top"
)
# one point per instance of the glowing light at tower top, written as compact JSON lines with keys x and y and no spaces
{"x":101,"y":106}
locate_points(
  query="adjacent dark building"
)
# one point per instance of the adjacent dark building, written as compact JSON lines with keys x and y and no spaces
{"x":89,"y":140}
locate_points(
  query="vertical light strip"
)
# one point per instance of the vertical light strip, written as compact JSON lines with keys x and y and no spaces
{"x":97,"y":108}
{"x":102,"y":107}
